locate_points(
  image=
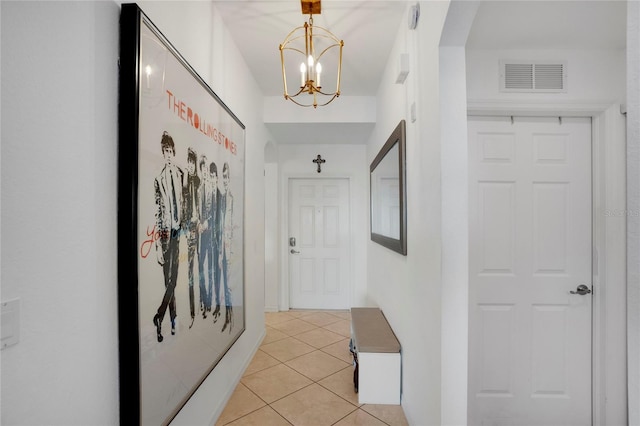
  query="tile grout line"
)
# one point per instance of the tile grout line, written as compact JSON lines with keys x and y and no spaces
{"x":316,"y":327}
{"x":270,"y":405}
{"x":313,"y":381}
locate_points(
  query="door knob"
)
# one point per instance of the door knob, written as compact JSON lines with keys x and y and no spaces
{"x":581,"y":290}
{"x":294,"y":251}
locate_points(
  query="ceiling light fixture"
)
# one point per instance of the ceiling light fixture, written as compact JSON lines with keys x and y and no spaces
{"x":321,"y":55}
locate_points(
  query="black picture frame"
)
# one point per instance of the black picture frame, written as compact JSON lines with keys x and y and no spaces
{"x":388,"y":195}
{"x":164,"y":103}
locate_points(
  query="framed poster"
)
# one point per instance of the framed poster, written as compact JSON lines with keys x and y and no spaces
{"x":180,"y":225}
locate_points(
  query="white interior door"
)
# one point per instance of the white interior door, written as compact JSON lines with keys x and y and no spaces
{"x":319,"y":261}
{"x":530,"y":246}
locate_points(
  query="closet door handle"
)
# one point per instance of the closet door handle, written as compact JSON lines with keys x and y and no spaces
{"x":581,"y":290}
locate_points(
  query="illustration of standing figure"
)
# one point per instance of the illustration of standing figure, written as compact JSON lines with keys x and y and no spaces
{"x":216,"y":238}
{"x":206,"y":231}
{"x":168,"y":187}
{"x":226,"y":224}
{"x":191,"y":222}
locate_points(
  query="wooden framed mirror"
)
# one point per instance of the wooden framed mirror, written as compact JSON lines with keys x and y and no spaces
{"x":388,"y":197}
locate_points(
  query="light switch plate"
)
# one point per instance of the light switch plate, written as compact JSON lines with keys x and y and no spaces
{"x":403,"y":68}
{"x":10,"y":323}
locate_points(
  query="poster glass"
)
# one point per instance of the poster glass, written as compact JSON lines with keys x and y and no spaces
{"x":181,"y":196}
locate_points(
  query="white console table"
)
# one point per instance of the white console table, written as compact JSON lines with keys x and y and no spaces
{"x":376,"y":349}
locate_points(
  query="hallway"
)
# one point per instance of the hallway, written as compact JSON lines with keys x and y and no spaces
{"x":302,"y":374}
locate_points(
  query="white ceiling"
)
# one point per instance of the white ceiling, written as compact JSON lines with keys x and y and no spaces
{"x":540,"y":24}
{"x":368,"y":28}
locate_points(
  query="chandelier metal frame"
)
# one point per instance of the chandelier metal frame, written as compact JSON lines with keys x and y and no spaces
{"x":309,"y":82}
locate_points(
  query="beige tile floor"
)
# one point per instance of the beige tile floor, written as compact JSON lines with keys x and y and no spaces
{"x":302,"y":375}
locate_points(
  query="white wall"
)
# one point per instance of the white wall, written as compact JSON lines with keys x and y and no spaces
{"x":455,"y":226}
{"x":350,"y":109}
{"x":345,"y":161}
{"x":59,"y":197}
{"x":408,"y":288}
{"x":592,"y":75}
{"x":271,"y":230}
{"x":455,"y":216}
{"x":633,"y":209}
{"x":59,"y":173}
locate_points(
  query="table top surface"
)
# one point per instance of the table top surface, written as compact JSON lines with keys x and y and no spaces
{"x":372,"y":332}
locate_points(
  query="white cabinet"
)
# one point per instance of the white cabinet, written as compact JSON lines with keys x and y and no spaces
{"x":378,"y":357}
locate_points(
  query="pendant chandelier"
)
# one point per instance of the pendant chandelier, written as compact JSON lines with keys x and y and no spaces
{"x":316,"y":55}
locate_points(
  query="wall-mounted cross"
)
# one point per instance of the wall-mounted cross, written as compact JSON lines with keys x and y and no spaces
{"x":319,"y":160}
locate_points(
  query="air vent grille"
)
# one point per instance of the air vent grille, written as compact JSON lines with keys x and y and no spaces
{"x":549,"y":76}
{"x":533,"y":77}
{"x":518,"y":76}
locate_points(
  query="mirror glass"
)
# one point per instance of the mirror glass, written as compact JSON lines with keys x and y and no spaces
{"x":385,"y":187}
{"x":388,"y":196}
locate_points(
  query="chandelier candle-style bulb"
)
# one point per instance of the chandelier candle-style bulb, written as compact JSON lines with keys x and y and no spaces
{"x":304,"y":48}
{"x":318,"y":71}
{"x":303,"y":72}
